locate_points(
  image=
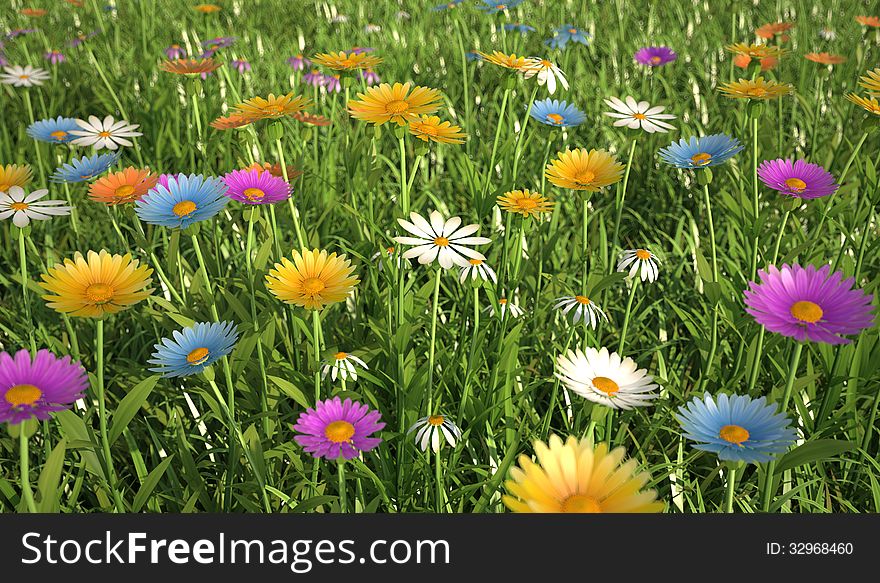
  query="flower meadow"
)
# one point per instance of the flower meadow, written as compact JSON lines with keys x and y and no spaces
{"x":538,"y":256}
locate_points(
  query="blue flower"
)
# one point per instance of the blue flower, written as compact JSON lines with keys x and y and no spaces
{"x":556,"y":113}
{"x":496,"y":6}
{"x":701,"y":152}
{"x":523,"y":28}
{"x":85,"y":168}
{"x":54,"y":131}
{"x":447,"y":6}
{"x":736,"y":428}
{"x":194,"y":348}
{"x":184,"y":201}
{"x":472,"y":55}
{"x":565,"y":33}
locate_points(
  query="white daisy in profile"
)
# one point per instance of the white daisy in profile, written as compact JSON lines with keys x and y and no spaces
{"x":582,"y":308}
{"x":505,"y":306}
{"x":547,"y":72}
{"x":430,"y":429}
{"x":107,"y":133}
{"x":442,"y":239}
{"x":26,"y":76}
{"x":343,"y":365}
{"x":383,"y":255}
{"x":24,"y":207}
{"x":639,"y":261}
{"x":636,"y":115}
{"x":605,"y":378}
{"x":477,"y":268}
{"x":371,"y":28}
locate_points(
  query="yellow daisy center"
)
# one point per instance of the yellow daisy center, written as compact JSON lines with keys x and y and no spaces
{"x":796,"y":184}
{"x":756,"y":92}
{"x":273,"y":109}
{"x":312,"y":286}
{"x":435,"y":420}
{"x":572,"y":31}
{"x":546,"y":64}
{"x":23,"y":77}
{"x":59,"y":134}
{"x":340,"y":355}
{"x":19,"y":206}
{"x":347,"y":62}
{"x":441,"y":241}
{"x":734,"y":434}
{"x":606,"y":385}
{"x":475,"y":261}
{"x":503,"y":301}
{"x":806,"y":311}
{"x":638,"y":116}
{"x":526,"y":203}
{"x":253,"y":194}
{"x":582,"y":300}
{"x":339,"y":431}
{"x":555,"y":118}
{"x":184,"y":208}
{"x":580,"y":503}
{"x":701,"y":159}
{"x":655,"y":59}
{"x":643,"y":254}
{"x":99,"y":293}
{"x":19,"y":395}
{"x":428,"y":129}
{"x":197,"y":356}
{"x":585,"y":177}
{"x":124,"y":191}
{"x":104,"y":134}
{"x":396,"y":106}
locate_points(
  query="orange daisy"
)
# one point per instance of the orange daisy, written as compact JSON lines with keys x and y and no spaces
{"x":869,"y":20}
{"x":230,"y":122}
{"x":430,"y":129}
{"x":273,"y":107}
{"x":768,"y":31}
{"x":825,"y":58}
{"x":207,"y":8}
{"x":275,"y":170}
{"x":312,"y":119}
{"x":190,"y":66}
{"x":35,"y":12}
{"x":384,"y":103}
{"x":122,"y":187}
{"x":343,"y":61}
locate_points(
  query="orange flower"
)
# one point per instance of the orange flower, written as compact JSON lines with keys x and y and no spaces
{"x":275,"y":170}
{"x":742,"y":60}
{"x":190,"y":66}
{"x":869,"y":21}
{"x":35,"y":12}
{"x":768,"y":31}
{"x":122,"y":187}
{"x":343,"y":61}
{"x":313,"y":119}
{"x":768,"y":63}
{"x":207,"y":8}
{"x":230,"y":122}
{"x":825,"y":58}
{"x":272,"y":107}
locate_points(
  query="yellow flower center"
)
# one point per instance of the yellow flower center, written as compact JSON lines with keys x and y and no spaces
{"x":638,"y":116}
{"x":734,"y":434}
{"x":99,"y":293}
{"x":339,"y":431}
{"x":104,"y":134}
{"x":23,"y":77}
{"x":59,"y":134}
{"x":273,"y":109}
{"x":197,"y":356}
{"x":572,"y":31}
{"x":501,"y":6}
{"x":796,"y":184}
{"x":19,"y":206}
{"x":580,"y":503}
{"x":555,"y":118}
{"x":806,"y":311}
{"x":429,"y":129}
{"x":585,"y":177}
{"x":503,"y":301}
{"x":184,"y":208}
{"x":606,"y":385}
{"x":124,"y":191}
{"x":340,"y":355}
{"x":347,"y":62}
{"x":441,"y":241}
{"x":701,"y":159}
{"x":546,"y":64}
{"x":396,"y":106}
{"x":312,"y":286}
{"x":655,"y":59}
{"x":253,"y":194}
{"x":643,"y":254}
{"x":475,"y":261}
{"x":527,"y":203}
{"x":19,"y":395}
{"x":583,"y":300}
{"x":435,"y":420}
{"x":756,"y":92}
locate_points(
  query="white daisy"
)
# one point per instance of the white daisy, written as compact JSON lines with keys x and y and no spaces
{"x":639,"y":261}
{"x":26,"y":76}
{"x":827,"y":33}
{"x":478,"y":268}
{"x":635,"y":115}
{"x":547,"y":72}
{"x":23,"y":207}
{"x":441,"y":239}
{"x":605,"y":378}
{"x":504,"y":306}
{"x":371,"y":28}
{"x":582,"y":307}
{"x":384,"y":255}
{"x":108,"y":133}
{"x":430,"y":429}
{"x":343,"y":365}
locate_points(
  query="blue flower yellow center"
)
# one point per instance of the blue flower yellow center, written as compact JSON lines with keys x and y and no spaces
{"x":555,"y":118}
{"x":25,"y":394}
{"x":806,"y":311}
{"x":701,"y":159}
{"x":59,"y":135}
{"x":734,"y":434}
{"x":606,"y":385}
{"x":339,"y":431}
{"x":581,"y":503}
{"x":198,"y":356}
{"x":184,"y":208}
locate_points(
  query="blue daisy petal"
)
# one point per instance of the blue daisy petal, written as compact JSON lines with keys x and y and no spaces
{"x":85,"y":168}
{"x":557,"y":113}
{"x":495,"y":6}
{"x":701,"y":152}
{"x":54,"y":131}
{"x":186,"y":200}
{"x":193,"y":349}
{"x":522,"y":28}
{"x":566,"y":33}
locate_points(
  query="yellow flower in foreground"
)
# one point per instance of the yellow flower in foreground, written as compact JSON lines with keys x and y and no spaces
{"x":577,"y":477}
{"x":96,"y":285}
{"x":312,"y":280}
{"x":14,"y":175}
{"x":385,"y":103}
{"x":755,"y":89}
{"x":258,"y":108}
{"x":190,"y":66}
{"x":511,"y":61}
{"x":871,"y":82}
{"x":525,"y":203}
{"x":343,"y":61}
{"x":429,"y":129}
{"x":869,"y":104}
{"x":584,"y":169}
{"x":760,"y":51}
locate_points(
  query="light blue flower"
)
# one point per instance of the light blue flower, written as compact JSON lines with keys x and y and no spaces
{"x":736,"y":428}
{"x":54,"y":131}
{"x":701,"y":152}
{"x":194,"y":348}
{"x":85,"y":168}
{"x":565,"y":33}
{"x":557,"y":113}
{"x":523,"y":28}
{"x":496,"y":6}
{"x":184,"y":201}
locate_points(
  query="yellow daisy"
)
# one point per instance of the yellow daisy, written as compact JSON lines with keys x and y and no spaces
{"x":869,"y":104}
{"x":525,"y":203}
{"x":576,"y":477}
{"x":755,"y":89}
{"x":760,"y":51}
{"x":96,"y":285}
{"x":313,"y":279}
{"x":207,"y":8}
{"x":385,"y":103}
{"x":871,"y":82}
{"x":14,"y":175}
{"x":258,"y":108}
{"x":429,"y":129}
{"x":343,"y":61}
{"x":584,"y":169}
{"x":511,"y":61}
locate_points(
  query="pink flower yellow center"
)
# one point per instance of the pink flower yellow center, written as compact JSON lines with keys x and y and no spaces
{"x":806,"y":311}
{"x":254,"y":194}
{"x":580,"y":503}
{"x":396,"y":106}
{"x":555,"y":118}
{"x":734,"y":434}
{"x":701,"y":159}
{"x":59,"y":135}
{"x":124,"y":191}
{"x":435,"y":420}
{"x":441,"y":241}
{"x":606,"y":385}
{"x":643,"y":254}
{"x":339,"y":431}
{"x":312,"y":286}
{"x":340,"y":355}
{"x":19,"y":206}
{"x":582,"y":300}
{"x":655,"y":59}
{"x":197,"y":356}
{"x":796,"y":184}
{"x":19,"y":395}
{"x":99,"y":293}
{"x":184,"y":208}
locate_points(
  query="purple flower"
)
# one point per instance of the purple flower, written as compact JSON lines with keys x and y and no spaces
{"x":256,"y":187}
{"x":331,"y":82}
{"x":4,"y":62}
{"x":370,"y":77}
{"x":207,"y":54}
{"x":808,"y":304}
{"x":20,"y":31}
{"x":359,"y":50}
{"x":336,"y":429}
{"x":314,"y":78}
{"x":655,"y":56}
{"x":799,"y":179}
{"x":36,"y":388}
{"x":175,"y":52}
{"x":240,"y":65}
{"x":220,"y":42}
{"x":54,"y":57}
{"x":299,"y":62}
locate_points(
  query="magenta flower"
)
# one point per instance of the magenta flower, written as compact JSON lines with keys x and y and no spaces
{"x":315,"y":78}
{"x":655,"y":56}
{"x":54,"y":57}
{"x":39,"y":387}
{"x":360,"y":50}
{"x":256,"y":187}
{"x":799,"y":179}
{"x":175,"y":52}
{"x":299,"y":62}
{"x":220,"y":42}
{"x":808,"y":304}
{"x":336,"y":429}
{"x":331,"y":82}
{"x":370,"y":77}
{"x":240,"y":65}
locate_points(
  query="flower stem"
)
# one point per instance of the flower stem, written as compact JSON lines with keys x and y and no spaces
{"x":404,"y":190}
{"x":294,"y":212}
{"x":731,"y":483}
{"x":102,"y":415}
{"x":430,"y":391}
{"x":264,"y":405}
{"x":585,"y":247}
{"x":495,"y":143}
{"x":26,"y":493}
{"x":840,"y":180}
{"x":438,"y":481}
{"x":22,"y":255}
{"x":343,"y":498}
{"x":755,"y":204}
{"x":522,"y":134}
{"x":625,"y":327}
{"x":713,"y":347}
{"x":30,"y":109}
{"x":620,"y":203}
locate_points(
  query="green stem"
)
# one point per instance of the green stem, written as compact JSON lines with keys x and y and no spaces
{"x":843,"y":174}
{"x":713,"y":347}
{"x":404,"y":190}
{"x":26,"y":492}
{"x":438,"y":481}
{"x":343,"y":503}
{"x":491,"y":170}
{"x":622,"y":200}
{"x":30,"y":109}
{"x":102,"y":416}
{"x":430,"y":391}
{"x":585,"y":248}
{"x":316,"y":339}
{"x":294,"y":212}
{"x":731,"y":484}
{"x":755,"y":203}
{"x":264,"y":404}
{"x":522,"y":134}
{"x":22,"y":255}
{"x":629,"y":303}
